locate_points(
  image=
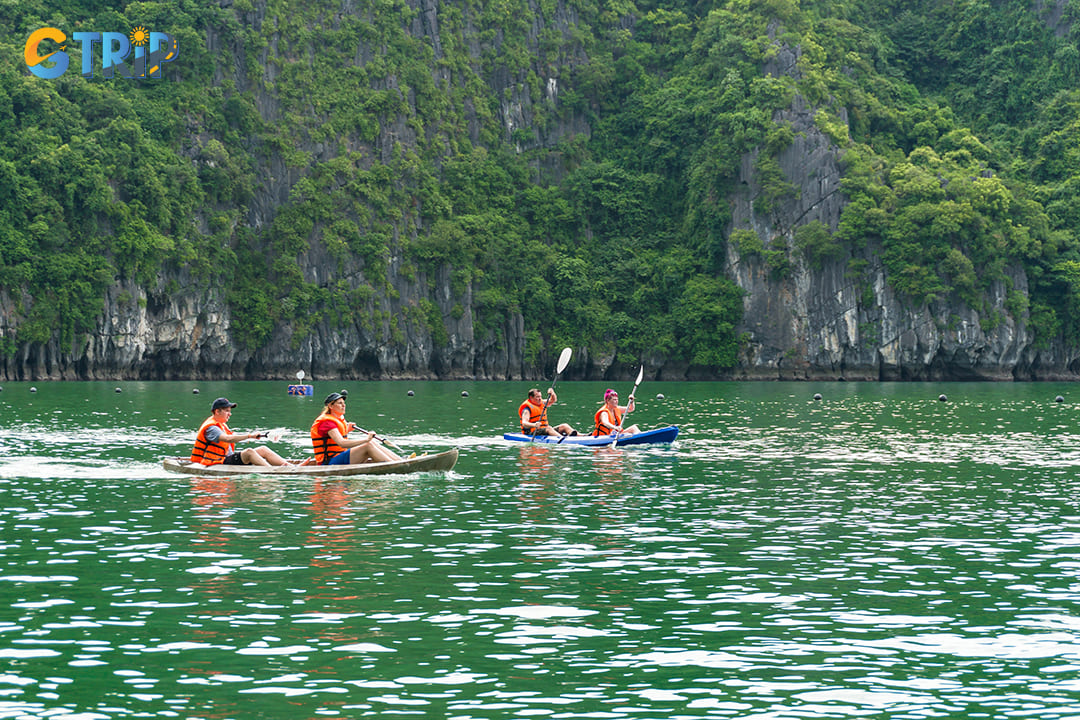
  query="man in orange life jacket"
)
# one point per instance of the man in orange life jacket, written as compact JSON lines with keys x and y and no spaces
{"x":214,"y":441}
{"x":533,"y":414}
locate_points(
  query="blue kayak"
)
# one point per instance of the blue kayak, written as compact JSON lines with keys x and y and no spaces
{"x":660,"y":435}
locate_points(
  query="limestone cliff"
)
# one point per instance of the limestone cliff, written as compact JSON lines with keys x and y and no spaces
{"x":828,"y":323}
{"x":806,"y":322}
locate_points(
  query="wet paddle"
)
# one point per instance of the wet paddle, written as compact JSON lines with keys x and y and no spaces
{"x":564,"y":360}
{"x":274,"y":435}
{"x":622,"y":422}
{"x":383,"y":440}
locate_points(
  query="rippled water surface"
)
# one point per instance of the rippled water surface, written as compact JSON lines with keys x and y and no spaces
{"x":875,"y":553}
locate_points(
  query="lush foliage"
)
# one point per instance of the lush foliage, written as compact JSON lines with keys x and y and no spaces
{"x":961,"y":159}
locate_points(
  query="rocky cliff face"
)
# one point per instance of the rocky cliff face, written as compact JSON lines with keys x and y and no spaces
{"x":823,"y":323}
{"x":161,"y":333}
{"x":806,"y":323}
{"x":186,"y":334}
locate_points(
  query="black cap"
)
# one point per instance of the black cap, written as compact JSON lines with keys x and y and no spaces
{"x":332,"y":398}
{"x":222,"y":403}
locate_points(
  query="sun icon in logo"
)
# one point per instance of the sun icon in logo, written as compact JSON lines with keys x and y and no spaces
{"x":139,"y":35}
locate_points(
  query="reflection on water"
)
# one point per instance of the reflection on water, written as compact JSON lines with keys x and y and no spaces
{"x":876,"y":553}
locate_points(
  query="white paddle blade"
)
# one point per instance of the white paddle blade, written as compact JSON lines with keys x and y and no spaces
{"x":564,"y":360}
{"x":640,"y":375}
{"x":300,"y":375}
{"x":275,"y":434}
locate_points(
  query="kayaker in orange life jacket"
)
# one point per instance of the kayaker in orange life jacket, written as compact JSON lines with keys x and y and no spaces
{"x":533,"y":415}
{"x":214,"y":441}
{"x":329,"y":438}
{"x":608,"y":419}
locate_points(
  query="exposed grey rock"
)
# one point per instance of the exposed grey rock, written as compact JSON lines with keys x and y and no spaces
{"x":805,"y":323}
{"x":815,"y":323}
{"x":1053,"y":14}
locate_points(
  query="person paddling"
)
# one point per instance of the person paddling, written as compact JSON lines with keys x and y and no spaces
{"x":608,"y":419}
{"x":533,"y":415}
{"x":214,"y":443}
{"x":329,"y":438}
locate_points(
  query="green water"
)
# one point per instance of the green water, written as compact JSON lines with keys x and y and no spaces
{"x":876,"y":553}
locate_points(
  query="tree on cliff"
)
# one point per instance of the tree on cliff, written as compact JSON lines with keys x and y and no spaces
{"x":394,"y":169}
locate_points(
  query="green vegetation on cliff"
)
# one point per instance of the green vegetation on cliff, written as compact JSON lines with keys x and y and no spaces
{"x":572,"y":162}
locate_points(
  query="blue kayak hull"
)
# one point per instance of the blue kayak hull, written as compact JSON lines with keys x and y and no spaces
{"x":660,"y":435}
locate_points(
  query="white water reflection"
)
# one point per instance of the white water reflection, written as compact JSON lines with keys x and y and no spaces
{"x":880,"y":449}
{"x":783,"y":559}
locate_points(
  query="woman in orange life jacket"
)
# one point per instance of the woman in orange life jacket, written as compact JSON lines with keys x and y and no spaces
{"x":608,"y":419}
{"x":214,"y":441}
{"x":329,"y":438}
{"x":534,"y":419}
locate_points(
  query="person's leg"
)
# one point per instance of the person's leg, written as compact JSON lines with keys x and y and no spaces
{"x":250,"y":456}
{"x":390,"y":454}
{"x":270,"y":456}
{"x":372,"y":452}
{"x":382,"y":453}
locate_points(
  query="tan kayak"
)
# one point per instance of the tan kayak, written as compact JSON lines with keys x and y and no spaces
{"x":421,"y":463}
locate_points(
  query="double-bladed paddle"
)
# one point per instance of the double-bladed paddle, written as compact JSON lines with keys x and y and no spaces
{"x":622,"y":422}
{"x":564,"y":360}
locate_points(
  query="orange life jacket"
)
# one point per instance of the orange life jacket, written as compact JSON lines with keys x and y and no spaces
{"x":602,"y":428}
{"x":325,"y":448}
{"x":536,"y":412}
{"x":206,"y":452}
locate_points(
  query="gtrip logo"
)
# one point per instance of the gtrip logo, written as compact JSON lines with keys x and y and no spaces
{"x":152,"y":50}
